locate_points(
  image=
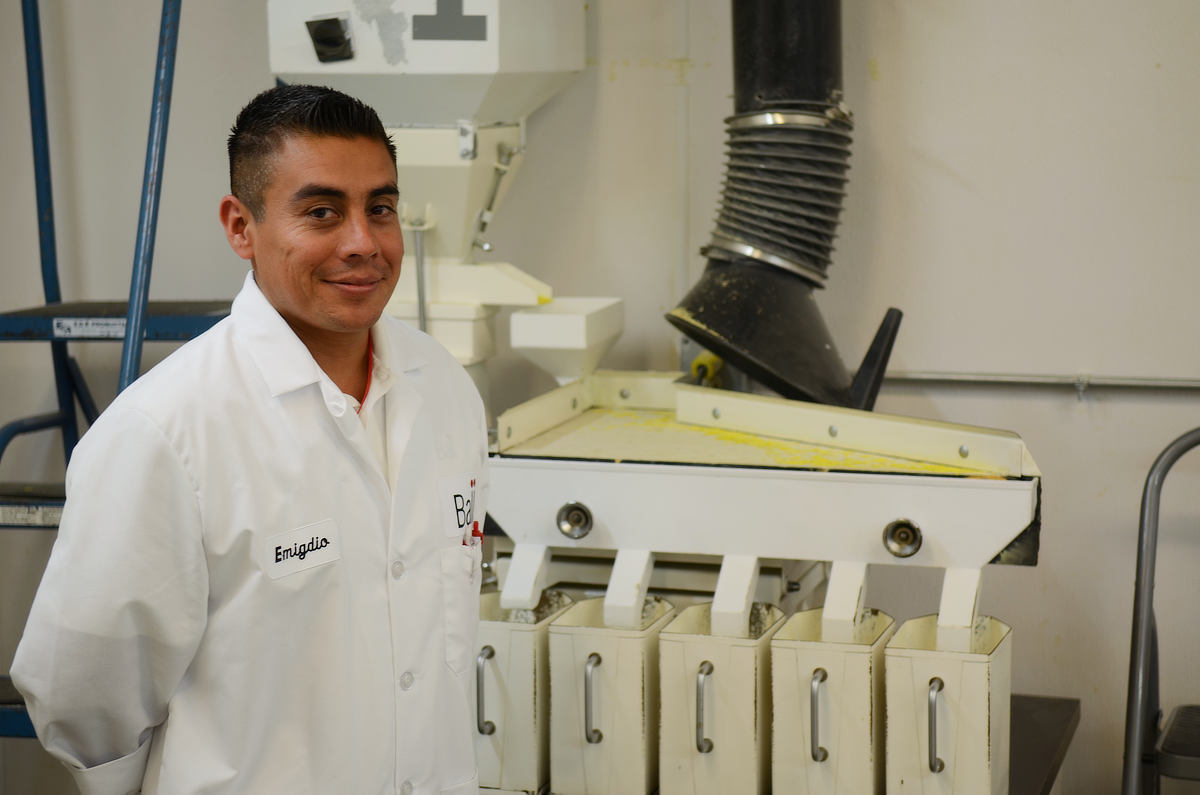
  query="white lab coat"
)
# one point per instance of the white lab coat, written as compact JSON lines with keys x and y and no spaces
{"x":239,"y":601}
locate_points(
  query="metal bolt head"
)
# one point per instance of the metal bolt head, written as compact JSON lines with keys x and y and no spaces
{"x":964,"y":451}
{"x":574,"y":520}
{"x":833,"y":431}
{"x":716,"y":414}
{"x":625,"y":394}
{"x":902,"y":538}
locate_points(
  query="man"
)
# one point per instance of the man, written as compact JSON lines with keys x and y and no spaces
{"x":266,"y":578}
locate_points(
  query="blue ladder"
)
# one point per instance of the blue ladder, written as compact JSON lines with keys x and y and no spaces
{"x":39,"y":505}
{"x":26,"y":505}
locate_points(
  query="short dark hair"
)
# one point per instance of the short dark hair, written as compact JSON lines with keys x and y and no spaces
{"x":284,"y":111}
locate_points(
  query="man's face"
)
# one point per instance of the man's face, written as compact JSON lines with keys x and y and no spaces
{"x":327,"y":251}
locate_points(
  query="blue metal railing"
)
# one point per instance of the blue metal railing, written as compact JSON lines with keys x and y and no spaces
{"x":69,"y":383}
{"x":35,"y":78}
{"x":156,"y":147}
{"x":41,"y":149}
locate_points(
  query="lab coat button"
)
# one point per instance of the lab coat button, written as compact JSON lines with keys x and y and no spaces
{"x":337,"y":408}
{"x":397,"y":569}
{"x":406,"y":788}
{"x":406,"y":680}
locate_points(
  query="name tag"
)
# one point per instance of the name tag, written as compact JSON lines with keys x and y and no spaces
{"x":303,"y":548}
{"x":457,"y":497}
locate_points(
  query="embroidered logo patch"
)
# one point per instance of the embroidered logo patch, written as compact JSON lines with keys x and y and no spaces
{"x":457,"y":496}
{"x":303,"y":548}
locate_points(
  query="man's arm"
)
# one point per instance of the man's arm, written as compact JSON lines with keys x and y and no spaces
{"x":121,"y":607}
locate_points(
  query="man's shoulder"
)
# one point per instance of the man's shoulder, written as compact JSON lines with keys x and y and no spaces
{"x":186,"y":381}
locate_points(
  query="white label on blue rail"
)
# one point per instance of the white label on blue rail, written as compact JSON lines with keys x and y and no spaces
{"x":66,"y":328}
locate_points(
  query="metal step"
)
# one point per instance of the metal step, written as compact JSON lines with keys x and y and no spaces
{"x":14,"y":719}
{"x":105,"y":320}
{"x":31,"y":505}
{"x":1179,"y":745}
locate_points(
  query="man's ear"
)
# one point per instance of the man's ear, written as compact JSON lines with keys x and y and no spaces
{"x":238,"y":223}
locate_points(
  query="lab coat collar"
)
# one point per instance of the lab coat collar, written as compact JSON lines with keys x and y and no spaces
{"x":396,"y":346}
{"x":285,"y":362}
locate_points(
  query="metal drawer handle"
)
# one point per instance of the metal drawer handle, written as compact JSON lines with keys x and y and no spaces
{"x":593,"y":736}
{"x":935,"y":686}
{"x":819,"y":754}
{"x":703,"y":744}
{"x":484,"y":726}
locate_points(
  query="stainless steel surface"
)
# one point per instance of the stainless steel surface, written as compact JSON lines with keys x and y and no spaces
{"x":778,"y":119}
{"x":746,"y":250}
{"x":935,"y":686}
{"x":819,"y":754}
{"x":574,"y":520}
{"x":902,"y":538}
{"x":484,"y":726}
{"x":590,"y":734}
{"x":419,"y":262}
{"x":703,"y":744}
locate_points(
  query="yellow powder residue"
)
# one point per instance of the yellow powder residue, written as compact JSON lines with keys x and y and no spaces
{"x":655,"y":436}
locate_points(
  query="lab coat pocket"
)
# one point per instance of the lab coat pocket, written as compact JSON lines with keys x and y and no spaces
{"x":460,"y":603}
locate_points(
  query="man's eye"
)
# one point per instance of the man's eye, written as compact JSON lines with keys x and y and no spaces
{"x":320,"y":213}
{"x":383,"y":210}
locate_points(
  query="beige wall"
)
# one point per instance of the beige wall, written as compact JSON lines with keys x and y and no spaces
{"x":616,"y":195}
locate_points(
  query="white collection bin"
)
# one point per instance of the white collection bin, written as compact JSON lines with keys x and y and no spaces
{"x":964,"y":749}
{"x":604,"y":701}
{"x":844,"y":680}
{"x":512,"y":737}
{"x":716,"y":704}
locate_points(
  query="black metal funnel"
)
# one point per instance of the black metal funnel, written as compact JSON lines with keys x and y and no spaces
{"x":764,"y":321}
{"x":785,"y":177}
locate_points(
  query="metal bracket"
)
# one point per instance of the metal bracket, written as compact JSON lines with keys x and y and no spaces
{"x":627,"y":587}
{"x":736,"y":585}
{"x":805,"y":582}
{"x":467,"y":144}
